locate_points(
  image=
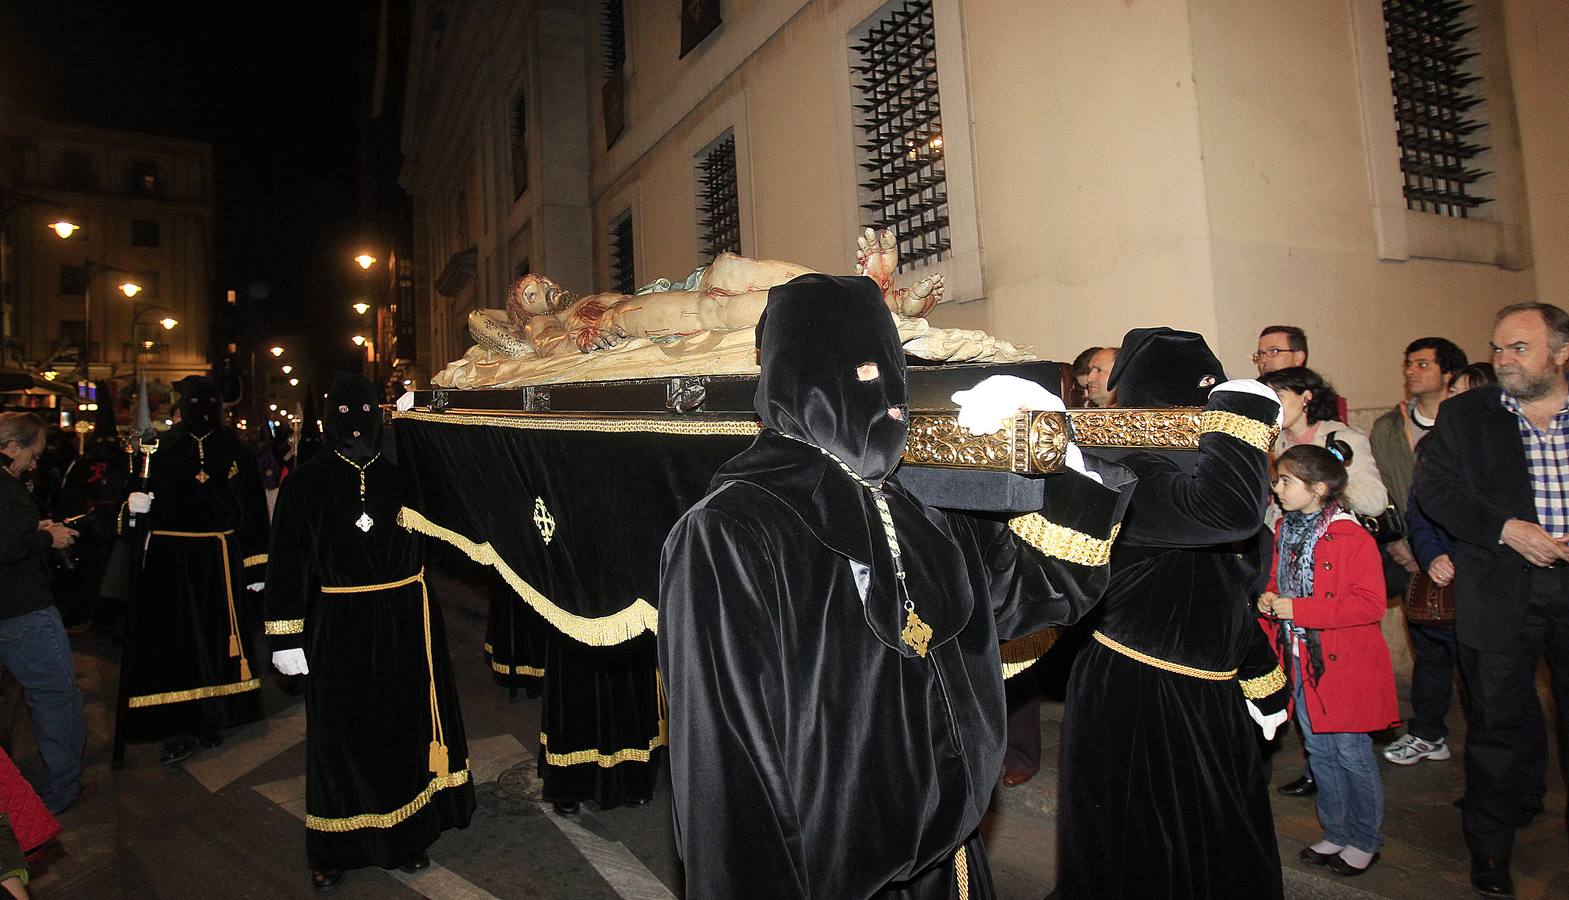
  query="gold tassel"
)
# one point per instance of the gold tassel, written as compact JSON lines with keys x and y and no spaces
{"x":245,"y":669}
{"x":438,"y":759}
{"x":234,"y":645}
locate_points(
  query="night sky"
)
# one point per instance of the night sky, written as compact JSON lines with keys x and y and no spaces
{"x":271,"y":85}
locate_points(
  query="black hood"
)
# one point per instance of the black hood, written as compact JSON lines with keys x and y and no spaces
{"x":200,"y":406}
{"x":1162,"y":368}
{"x":820,"y":337}
{"x":352,"y":419}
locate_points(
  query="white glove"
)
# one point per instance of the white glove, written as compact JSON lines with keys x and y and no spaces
{"x":1267,"y":724}
{"x":256,"y":586}
{"x":139,"y":502}
{"x":1251,"y":386}
{"x":291,"y":662}
{"x":983,"y":409}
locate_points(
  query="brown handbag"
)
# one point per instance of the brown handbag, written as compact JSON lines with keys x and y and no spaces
{"x":1429,"y":604}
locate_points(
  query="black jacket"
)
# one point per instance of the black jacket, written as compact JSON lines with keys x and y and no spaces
{"x":24,"y":551}
{"x":1474,"y":479}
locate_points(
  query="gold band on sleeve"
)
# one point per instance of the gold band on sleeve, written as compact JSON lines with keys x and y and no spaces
{"x":1248,"y":431}
{"x":1062,"y":542}
{"x":256,"y":560}
{"x":1264,"y":685}
{"x":284,"y":626}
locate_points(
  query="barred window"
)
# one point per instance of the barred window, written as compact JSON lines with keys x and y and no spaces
{"x":623,"y":268}
{"x":1440,"y":130}
{"x":904,"y":185}
{"x":718,"y":204}
{"x":519,"y":146}
{"x":612,"y":37}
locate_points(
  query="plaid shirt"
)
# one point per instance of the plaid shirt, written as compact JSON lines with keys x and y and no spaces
{"x":1547,"y":458}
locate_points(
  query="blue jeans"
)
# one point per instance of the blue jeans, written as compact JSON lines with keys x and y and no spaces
{"x":35,"y":649}
{"x":1350,"y":790}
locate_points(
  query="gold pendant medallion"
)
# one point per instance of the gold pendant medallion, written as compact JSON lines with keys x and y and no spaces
{"x":916,"y":634}
{"x":202,"y":476}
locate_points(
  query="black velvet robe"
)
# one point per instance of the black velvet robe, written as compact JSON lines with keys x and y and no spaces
{"x":601,"y":727}
{"x":813,"y":753}
{"x":514,"y":639}
{"x":188,"y":663}
{"x":371,"y":795}
{"x":1163,"y":794}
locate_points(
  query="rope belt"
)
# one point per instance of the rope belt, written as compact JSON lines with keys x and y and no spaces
{"x":228,"y":590}
{"x":440,"y":764}
{"x":1157,"y":662}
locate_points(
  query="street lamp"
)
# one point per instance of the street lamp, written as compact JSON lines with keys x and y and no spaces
{"x":168,"y":323}
{"x":294,"y":382}
{"x":276,"y":351}
{"x":362,"y":307}
{"x":359,"y":340}
{"x":288,"y":370}
{"x":365,"y":260}
{"x":64,"y":228}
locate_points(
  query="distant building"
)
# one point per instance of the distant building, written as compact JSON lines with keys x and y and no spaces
{"x":1073,"y":169}
{"x":144,"y":207}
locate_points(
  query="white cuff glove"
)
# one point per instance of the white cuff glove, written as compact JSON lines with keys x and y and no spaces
{"x":1251,"y":386}
{"x":983,"y":409}
{"x":139,"y":502}
{"x":1268,"y":724}
{"x":291,"y":662}
{"x":256,"y":586}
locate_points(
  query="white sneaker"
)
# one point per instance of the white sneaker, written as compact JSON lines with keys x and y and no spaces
{"x":1411,"y":750}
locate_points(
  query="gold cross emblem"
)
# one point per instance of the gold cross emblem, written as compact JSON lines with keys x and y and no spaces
{"x":543,"y":520}
{"x":916,"y":633}
{"x":202,"y":476}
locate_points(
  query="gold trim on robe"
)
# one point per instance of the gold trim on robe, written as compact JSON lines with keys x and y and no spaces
{"x":217,"y":690}
{"x":605,"y":760}
{"x":1249,"y":431}
{"x":284,"y":626}
{"x":1164,"y":665}
{"x":389,"y":819}
{"x":1264,"y":685}
{"x":537,"y":421}
{"x":536,"y":672}
{"x":256,"y":560}
{"x":1062,"y":542}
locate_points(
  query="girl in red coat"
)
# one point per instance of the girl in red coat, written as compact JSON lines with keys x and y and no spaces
{"x":1324,"y":602}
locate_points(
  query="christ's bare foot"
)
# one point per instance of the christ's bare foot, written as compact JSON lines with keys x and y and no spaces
{"x":877,"y":257}
{"x":917,"y":300}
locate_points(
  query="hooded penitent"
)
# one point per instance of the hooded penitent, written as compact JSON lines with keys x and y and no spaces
{"x":821,"y":629}
{"x":352,"y":417}
{"x":1163,"y":367}
{"x":199,"y":404}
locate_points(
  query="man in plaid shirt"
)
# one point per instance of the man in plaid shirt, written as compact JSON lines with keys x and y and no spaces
{"x":1495,"y":475}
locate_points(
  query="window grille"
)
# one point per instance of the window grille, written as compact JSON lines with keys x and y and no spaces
{"x":519,"y":146}
{"x":144,"y":233}
{"x":612,"y":37}
{"x":904,"y":185}
{"x":623,"y":274}
{"x":143,"y":180}
{"x":1429,"y":59}
{"x":718,"y":205}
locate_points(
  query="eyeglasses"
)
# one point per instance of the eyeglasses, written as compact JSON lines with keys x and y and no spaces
{"x":1271,"y":352}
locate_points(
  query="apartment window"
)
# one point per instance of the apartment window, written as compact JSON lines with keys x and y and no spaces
{"x":144,"y":233}
{"x":1440,"y":124}
{"x":612,"y":58}
{"x":623,"y":267}
{"x":718,"y":204}
{"x":73,"y":280}
{"x":143,"y":180}
{"x":76,"y":171}
{"x":519,"y":146}
{"x":893,"y":62}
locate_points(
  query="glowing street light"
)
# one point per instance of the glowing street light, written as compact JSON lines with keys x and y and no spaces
{"x":130,"y":288}
{"x":168,"y":322}
{"x":294,"y":382}
{"x":365,"y":260}
{"x":276,"y":351}
{"x":273,"y":407}
{"x":64,"y":228}
{"x":362,"y":307}
{"x":287,"y":370}
{"x":359,"y":340}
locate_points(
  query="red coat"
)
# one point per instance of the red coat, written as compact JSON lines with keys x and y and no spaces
{"x":1357,"y":690}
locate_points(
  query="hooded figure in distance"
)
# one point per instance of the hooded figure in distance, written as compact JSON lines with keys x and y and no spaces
{"x":386,"y":760}
{"x":189,"y":669}
{"x":829,"y":642}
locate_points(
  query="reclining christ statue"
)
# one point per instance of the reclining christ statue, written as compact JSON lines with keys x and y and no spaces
{"x":701,"y":326}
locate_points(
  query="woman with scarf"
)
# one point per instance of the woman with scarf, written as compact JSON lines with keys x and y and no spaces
{"x":1323,"y":604}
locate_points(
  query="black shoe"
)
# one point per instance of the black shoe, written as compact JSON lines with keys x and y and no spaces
{"x":416,"y":864}
{"x":328,"y":880}
{"x":209,"y":739}
{"x":1311,"y":857}
{"x":1339,"y":866}
{"x":637,"y":801}
{"x":1302,"y":787}
{"x":1490,"y":875}
{"x":566,"y":807}
{"x":177,"y":751}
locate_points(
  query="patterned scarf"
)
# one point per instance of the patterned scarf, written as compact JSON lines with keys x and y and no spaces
{"x":1299,"y":534}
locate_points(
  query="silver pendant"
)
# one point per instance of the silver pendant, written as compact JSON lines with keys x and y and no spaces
{"x":364,"y":521}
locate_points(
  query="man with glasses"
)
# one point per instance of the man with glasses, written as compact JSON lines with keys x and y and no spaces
{"x":1495,"y":475}
{"x":1280,"y":347}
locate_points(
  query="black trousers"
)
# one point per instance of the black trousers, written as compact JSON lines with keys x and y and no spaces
{"x":1432,"y":680}
{"x":1506,"y":749}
